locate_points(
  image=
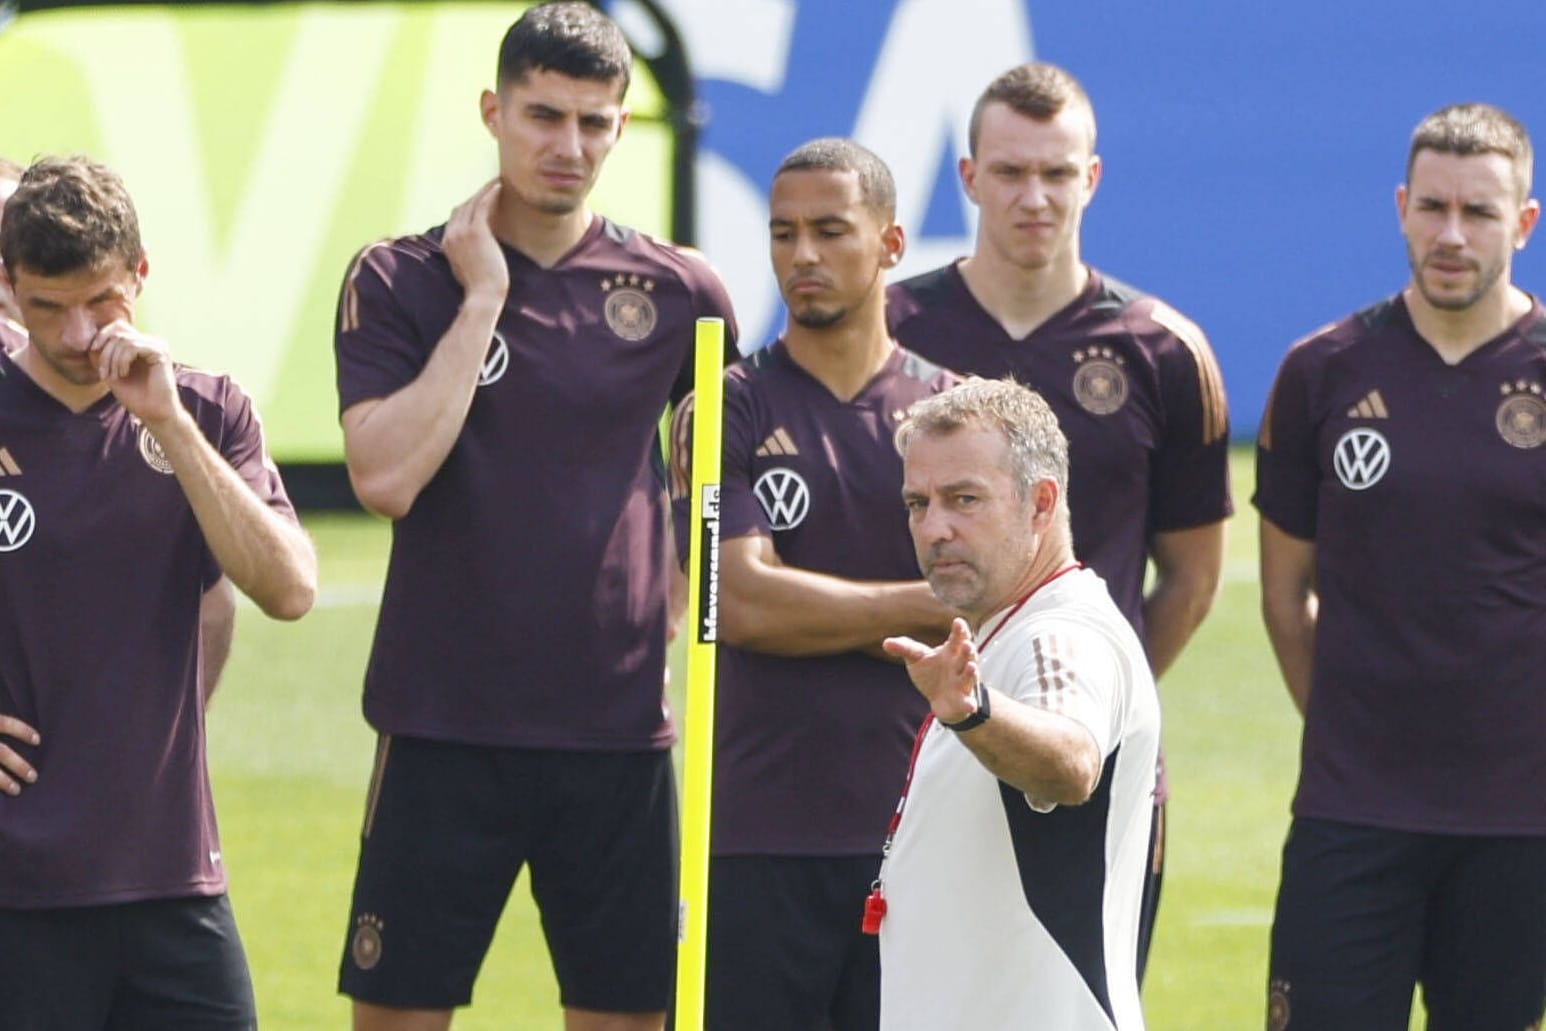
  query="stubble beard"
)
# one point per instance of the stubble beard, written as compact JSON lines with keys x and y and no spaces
{"x":1486,"y":278}
{"x":959,"y":592}
{"x":74,"y":374}
{"x":817,"y":318}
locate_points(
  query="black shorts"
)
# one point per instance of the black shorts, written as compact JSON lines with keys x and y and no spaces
{"x":785,"y":949}
{"x":1364,"y":914}
{"x":448,"y":828}
{"x":166,"y":963}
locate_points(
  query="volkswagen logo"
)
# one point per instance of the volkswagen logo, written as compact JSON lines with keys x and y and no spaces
{"x":784,"y":497}
{"x":1361,"y":458}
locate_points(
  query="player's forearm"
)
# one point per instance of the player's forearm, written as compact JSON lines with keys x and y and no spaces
{"x":394,"y":446}
{"x":1172,"y":612}
{"x":796,"y":612}
{"x":1290,"y":606}
{"x":267,"y":557}
{"x":217,"y":625}
{"x":1047,"y":756}
{"x":1291,"y":629}
{"x":1187,"y":567}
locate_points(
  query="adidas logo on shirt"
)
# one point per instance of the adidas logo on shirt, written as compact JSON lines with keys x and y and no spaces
{"x":1371,"y":407}
{"x":778,"y":443}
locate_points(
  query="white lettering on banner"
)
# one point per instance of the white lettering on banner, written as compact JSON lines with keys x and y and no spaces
{"x":938,"y":57}
{"x":708,"y":572}
{"x":257,"y":275}
{"x":744,"y":41}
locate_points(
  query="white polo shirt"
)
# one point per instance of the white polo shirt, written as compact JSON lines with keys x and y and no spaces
{"x":1004,"y":912}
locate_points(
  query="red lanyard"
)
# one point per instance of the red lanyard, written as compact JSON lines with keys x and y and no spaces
{"x":875,"y":902}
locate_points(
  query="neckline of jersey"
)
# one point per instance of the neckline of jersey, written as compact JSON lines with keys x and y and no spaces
{"x":1520,"y":328}
{"x":863,"y":399}
{"x":1080,"y":302}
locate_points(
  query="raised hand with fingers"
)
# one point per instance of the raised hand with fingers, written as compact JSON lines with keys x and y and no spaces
{"x":14,"y":770}
{"x":476,"y":259}
{"x":138,"y":370}
{"x":946,"y":675}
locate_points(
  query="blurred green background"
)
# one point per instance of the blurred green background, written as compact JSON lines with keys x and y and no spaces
{"x":264,"y":146}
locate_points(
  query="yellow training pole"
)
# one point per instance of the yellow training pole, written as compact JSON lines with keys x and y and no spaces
{"x":702,"y":632}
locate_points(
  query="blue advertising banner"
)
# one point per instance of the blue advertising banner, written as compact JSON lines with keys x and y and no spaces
{"x":1251,"y":151}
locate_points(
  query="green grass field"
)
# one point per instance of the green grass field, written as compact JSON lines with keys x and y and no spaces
{"x":291,"y":754}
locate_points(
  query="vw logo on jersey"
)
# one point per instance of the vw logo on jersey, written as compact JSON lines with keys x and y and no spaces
{"x":17,"y":520}
{"x":784,"y":497}
{"x":1361,"y":458}
{"x":495,"y":362}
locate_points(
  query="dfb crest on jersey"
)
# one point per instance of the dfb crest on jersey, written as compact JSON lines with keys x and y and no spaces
{"x":17,"y":520}
{"x":784,"y":497}
{"x":629,"y":309}
{"x":1100,"y":385}
{"x":495,"y":362}
{"x":150,"y":451}
{"x":365,"y":947}
{"x":1521,"y":418}
{"x":1277,"y":1006}
{"x":1361,"y":458}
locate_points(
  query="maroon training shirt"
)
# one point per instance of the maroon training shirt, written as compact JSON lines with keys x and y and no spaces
{"x":525,"y":601}
{"x":1136,"y":390}
{"x":102,"y":568}
{"x":810,"y":752}
{"x":1423,"y":487}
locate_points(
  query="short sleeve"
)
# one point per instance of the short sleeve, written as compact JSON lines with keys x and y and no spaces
{"x":1287,"y":471}
{"x":377,"y":345}
{"x":238,"y":437}
{"x":1066,"y":669}
{"x":740,"y":513}
{"x":710,"y":300}
{"x":1190,"y":482}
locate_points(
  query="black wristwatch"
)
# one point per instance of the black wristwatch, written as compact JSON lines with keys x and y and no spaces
{"x":977,"y":718}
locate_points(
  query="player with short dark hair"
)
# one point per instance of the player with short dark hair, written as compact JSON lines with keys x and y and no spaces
{"x":128,"y":484}
{"x":501,"y":380}
{"x":813,"y":723}
{"x":1013,"y":880}
{"x":1133,"y":382}
{"x":572,"y":39}
{"x":1403,"y":568}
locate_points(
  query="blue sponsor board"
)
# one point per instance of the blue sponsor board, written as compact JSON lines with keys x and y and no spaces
{"x":1251,"y":151}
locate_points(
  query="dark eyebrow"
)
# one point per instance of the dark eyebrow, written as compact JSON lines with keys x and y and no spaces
{"x":820,"y":222}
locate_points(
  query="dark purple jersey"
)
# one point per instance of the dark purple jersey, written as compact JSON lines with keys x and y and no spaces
{"x":525,"y":602}
{"x":1136,"y":390}
{"x":810,"y":752}
{"x":102,"y":568}
{"x":1423,"y":486}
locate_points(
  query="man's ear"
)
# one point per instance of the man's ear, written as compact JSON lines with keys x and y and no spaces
{"x":894,"y":242}
{"x":488,"y":110}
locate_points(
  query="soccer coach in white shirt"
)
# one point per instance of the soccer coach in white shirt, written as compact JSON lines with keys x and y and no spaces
{"x":1011,"y":893}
